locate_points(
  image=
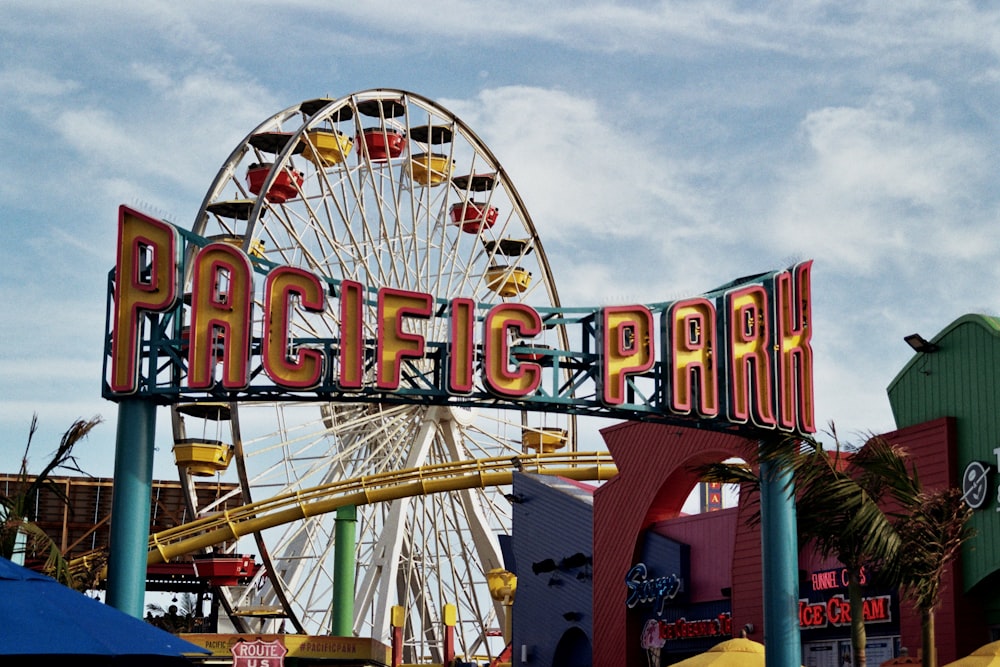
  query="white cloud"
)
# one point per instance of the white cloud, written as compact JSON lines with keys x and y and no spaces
{"x":25,"y":85}
{"x":581,"y":174}
{"x":686,"y":30}
{"x":883,"y":184}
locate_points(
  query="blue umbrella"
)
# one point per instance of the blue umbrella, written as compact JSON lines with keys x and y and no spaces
{"x":41,"y":617}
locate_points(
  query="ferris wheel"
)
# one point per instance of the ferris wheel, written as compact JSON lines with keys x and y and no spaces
{"x":388,"y":189}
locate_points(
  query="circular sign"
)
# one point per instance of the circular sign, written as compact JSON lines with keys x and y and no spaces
{"x":974,"y":483}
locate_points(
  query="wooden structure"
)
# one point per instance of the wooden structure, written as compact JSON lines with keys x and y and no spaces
{"x":82,"y":526}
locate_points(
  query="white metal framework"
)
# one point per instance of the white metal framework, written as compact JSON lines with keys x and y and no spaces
{"x":321,"y":186}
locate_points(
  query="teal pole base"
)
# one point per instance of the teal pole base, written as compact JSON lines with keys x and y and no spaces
{"x":130,"y":506}
{"x":780,"y":559}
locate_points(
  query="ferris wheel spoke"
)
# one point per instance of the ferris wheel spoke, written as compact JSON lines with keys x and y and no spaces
{"x":389,"y":545}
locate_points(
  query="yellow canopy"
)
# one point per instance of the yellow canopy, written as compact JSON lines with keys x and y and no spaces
{"x":984,"y":656}
{"x":738,"y":652}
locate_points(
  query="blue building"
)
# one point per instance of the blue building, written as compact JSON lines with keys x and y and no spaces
{"x":553,"y":558}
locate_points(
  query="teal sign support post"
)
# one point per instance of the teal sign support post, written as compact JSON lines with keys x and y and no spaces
{"x":345,"y":537}
{"x":130,"y":506}
{"x":780,"y":559}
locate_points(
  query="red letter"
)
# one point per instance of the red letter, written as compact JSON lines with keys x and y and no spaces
{"x":295,"y":368}
{"x":146,"y":281}
{"x":838,"y":611}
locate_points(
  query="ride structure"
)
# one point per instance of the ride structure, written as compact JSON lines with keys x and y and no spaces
{"x":363,"y":291}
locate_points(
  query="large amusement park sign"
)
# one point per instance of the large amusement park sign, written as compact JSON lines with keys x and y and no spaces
{"x":739,"y":356}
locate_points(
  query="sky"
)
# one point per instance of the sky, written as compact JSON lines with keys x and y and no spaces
{"x":662,"y":149}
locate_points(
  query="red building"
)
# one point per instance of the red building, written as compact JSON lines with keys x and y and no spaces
{"x":946,"y":402}
{"x":655,"y":464}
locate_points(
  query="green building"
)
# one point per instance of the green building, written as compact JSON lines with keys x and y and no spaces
{"x":956,"y":375}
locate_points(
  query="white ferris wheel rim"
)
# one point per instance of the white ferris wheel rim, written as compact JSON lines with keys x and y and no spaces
{"x":411,"y":221}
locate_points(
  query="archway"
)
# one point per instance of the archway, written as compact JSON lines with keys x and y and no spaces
{"x":573,"y":650}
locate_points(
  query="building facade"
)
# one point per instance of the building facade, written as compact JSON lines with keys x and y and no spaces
{"x":665,"y":586}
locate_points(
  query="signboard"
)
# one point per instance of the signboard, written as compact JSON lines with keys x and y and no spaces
{"x":824,"y":580}
{"x":654,"y":591}
{"x":824,"y":602}
{"x":739,"y":356}
{"x":976,"y":483}
{"x":720,"y":626}
{"x":311,"y":647}
{"x":711,"y":496}
{"x":836,"y":611}
{"x":258,"y":653}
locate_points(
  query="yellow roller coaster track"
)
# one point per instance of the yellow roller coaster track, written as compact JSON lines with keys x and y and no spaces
{"x":232,"y":524}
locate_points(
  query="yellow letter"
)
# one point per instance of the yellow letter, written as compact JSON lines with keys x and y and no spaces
{"x":500,"y":322}
{"x":146,"y":281}
{"x":352,"y":340}
{"x":462,"y":346}
{"x":750,"y":395}
{"x":626,"y":349}
{"x":394,"y":343}
{"x":694,"y":375}
{"x":300,"y":368}
{"x":795,"y":358}
{"x":220,"y":311}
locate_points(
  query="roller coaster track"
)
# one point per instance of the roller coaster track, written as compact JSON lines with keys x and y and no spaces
{"x":232,"y":524}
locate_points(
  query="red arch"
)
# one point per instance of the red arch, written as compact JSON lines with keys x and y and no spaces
{"x":655,"y":476}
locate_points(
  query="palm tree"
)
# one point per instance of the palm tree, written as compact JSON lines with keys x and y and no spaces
{"x":839,"y":499}
{"x":838,"y":496}
{"x":19,"y":534}
{"x":932,"y":533}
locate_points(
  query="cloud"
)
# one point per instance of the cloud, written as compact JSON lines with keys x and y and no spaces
{"x":884,"y":184}
{"x":81,"y":155}
{"x":581,"y":174}
{"x":685,"y":30}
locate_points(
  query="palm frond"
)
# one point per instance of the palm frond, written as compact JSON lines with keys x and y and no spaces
{"x":18,"y":504}
{"x":934,"y":532}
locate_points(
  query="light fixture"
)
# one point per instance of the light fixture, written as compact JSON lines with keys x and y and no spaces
{"x":503,"y":585}
{"x":920,"y":344}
